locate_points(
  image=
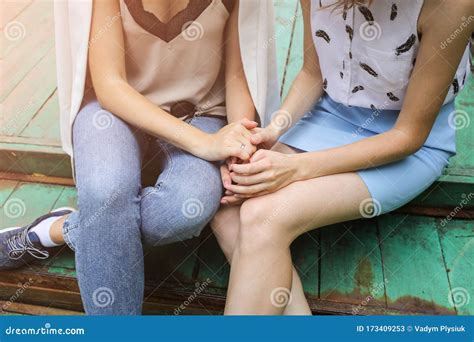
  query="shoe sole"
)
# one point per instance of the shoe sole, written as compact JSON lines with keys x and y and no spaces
{"x":8,"y":229}
{"x":63,"y":208}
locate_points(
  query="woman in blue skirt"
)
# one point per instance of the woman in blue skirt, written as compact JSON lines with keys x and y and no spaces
{"x":368,"y":125}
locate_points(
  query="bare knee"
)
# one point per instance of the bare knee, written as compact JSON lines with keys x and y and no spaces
{"x":261,"y":226}
{"x":225,"y":223}
{"x":225,"y":226}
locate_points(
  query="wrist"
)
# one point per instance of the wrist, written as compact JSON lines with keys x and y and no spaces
{"x":239,"y":118}
{"x":274,"y":131}
{"x":200,"y":144}
{"x":303,"y":168}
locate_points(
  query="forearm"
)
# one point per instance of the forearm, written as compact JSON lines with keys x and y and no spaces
{"x":305,"y":91}
{"x":371,"y":152}
{"x":120,"y":98}
{"x":239,"y":102}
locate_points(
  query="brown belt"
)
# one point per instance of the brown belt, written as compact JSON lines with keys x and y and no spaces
{"x":185,"y":109}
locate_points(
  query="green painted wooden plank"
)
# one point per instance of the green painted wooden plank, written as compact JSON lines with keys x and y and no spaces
{"x":31,"y":145}
{"x":4,"y":313}
{"x":28,"y":96}
{"x":351,"y":266}
{"x":66,"y":272}
{"x":6,"y":189}
{"x":466,"y":179}
{"x":416,"y":279}
{"x":27,"y":202}
{"x":172,"y":263}
{"x":212,"y":262}
{"x":295,"y":59}
{"x":62,"y":264}
{"x":45,"y":124}
{"x":457,"y":241}
{"x":11,"y":9}
{"x":35,"y":26}
{"x":17,"y":19}
{"x":305,"y":255}
{"x":68,"y":198}
{"x":284,"y":21}
{"x":49,"y":164}
{"x":465,"y":124}
{"x":446,"y":194}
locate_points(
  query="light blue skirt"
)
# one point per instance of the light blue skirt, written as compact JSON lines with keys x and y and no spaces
{"x":330,"y":124}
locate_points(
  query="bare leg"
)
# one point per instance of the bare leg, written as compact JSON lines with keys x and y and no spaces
{"x":225,"y":226}
{"x":268,"y":225}
{"x":56,"y":231}
{"x":226,"y":229}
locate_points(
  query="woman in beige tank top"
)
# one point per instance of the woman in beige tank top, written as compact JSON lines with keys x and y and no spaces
{"x":164,"y":78}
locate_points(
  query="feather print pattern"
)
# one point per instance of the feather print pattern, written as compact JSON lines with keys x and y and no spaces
{"x":367,"y":14}
{"x":324,"y":35}
{"x":405,"y":47}
{"x":363,"y":68}
{"x":455,"y":86}
{"x":392,"y":97}
{"x":367,"y":68}
{"x":394,"y":12}
{"x":350,"y":32}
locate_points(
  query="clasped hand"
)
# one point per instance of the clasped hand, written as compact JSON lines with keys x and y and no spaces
{"x":266,"y":171}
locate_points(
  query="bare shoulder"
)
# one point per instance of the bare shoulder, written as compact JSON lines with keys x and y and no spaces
{"x":447,"y":14}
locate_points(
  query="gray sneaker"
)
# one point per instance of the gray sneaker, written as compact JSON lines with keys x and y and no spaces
{"x":20,"y":246}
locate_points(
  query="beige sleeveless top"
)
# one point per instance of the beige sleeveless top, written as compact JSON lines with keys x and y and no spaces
{"x":180,"y":61}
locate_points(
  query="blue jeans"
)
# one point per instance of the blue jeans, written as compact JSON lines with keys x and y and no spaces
{"x":117,"y":216}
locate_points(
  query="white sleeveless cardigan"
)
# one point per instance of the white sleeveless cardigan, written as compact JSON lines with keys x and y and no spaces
{"x":72,"y":27}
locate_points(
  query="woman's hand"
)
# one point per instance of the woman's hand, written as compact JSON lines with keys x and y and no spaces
{"x":265,"y":137}
{"x":229,"y":197}
{"x":267,"y":172}
{"x":232,"y":140}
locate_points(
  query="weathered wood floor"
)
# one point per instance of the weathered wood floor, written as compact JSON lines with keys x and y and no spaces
{"x":410,"y":262}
